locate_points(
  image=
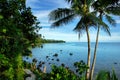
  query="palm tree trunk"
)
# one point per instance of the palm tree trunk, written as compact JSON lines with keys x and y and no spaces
{"x":95,"y":51}
{"x":88,"y":59}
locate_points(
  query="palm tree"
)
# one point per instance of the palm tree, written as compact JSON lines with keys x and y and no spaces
{"x":104,"y":8}
{"x":81,"y":9}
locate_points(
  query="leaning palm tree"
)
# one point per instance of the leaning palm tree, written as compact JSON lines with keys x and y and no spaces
{"x":105,"y":9}
{"x":81,"y":9}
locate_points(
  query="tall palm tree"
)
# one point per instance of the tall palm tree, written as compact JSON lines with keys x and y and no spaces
{"x":81,"y":9}
{"x":104,"y":8}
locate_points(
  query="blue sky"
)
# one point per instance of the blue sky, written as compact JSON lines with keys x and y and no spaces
{"x":41,"y":9}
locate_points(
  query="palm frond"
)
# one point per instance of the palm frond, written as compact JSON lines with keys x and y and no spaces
{"x":80,"y":26}
{"x":63,"y":21}
{"x":90,"y":20}
{"x":115,"y":10}
{"x":103,"y":3}
{"x":60,"y":13}
{"x":93,"y":20}
{"x":69,"y":1}
{"x":94,"y":12}
{"x":79,"y":35}
{"x":110,"y":20}
{"x":109,"y":2}
{"x":96,"y":21}
{"x":105,"y":27}
{"x":89,"y":2}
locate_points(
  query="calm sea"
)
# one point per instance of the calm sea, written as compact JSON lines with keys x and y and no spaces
{"x":108,"y":55}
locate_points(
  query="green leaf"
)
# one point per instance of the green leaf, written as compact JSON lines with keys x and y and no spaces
{"x":4,"y":30}
{"x":58,"y":76}
{"x":1,"y":17}
{"x":1,"y":56}
{"x":114,"y":77}
{"x":103,"y":75}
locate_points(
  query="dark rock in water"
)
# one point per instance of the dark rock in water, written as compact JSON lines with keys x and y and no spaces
{"x":27,"y":57}
{"x":60,"y":50}
{"x":41,"y":46}
{"x":55,"y":55}
{"x":57,"y":60}
{"x":34,"y":60}
{"x":71,"y":54}
{"x":52,"y":59}
{"x":47,"y":56}
{"x":115,"y":62}
{"x":43,"y":62}
{"x":40,"y":65}
{"x":63,"y":65}
{"x":40,"y":62}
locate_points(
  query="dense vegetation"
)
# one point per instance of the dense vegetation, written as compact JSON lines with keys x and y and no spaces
{"x":51,"y":41}
{"x":18,"y":35}
{"x":64,"y":73}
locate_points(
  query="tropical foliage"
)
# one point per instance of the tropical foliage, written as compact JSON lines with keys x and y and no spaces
{"x":64,"y":73}
{"x":61,"y":73}
{"x":17,"y":37}
{"x":57,"y":72}
{"x":105,"y":75}
{"x":51,"y":41}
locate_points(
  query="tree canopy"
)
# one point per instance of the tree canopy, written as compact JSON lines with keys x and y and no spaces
{"x":18,"y":34}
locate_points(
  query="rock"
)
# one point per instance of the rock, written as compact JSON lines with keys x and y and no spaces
{"x":29,"y":72}
{"x":115,"y":62}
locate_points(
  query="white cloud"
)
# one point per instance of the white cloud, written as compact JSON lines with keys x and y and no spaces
{"x":31,"y":3}
{"x":62,"y":4}
{"x":45,"y":24}
{"x":42,"y":15}
{"x":118,"y":21}
{"x":73,"y":37}
{"x":54,"y":34}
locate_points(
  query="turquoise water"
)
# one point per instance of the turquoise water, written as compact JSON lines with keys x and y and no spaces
{"x":108,"y":55}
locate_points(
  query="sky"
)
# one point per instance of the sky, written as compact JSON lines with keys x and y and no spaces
{"x":41,"y":9}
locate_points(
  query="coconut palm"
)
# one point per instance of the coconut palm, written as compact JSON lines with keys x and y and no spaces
{"x":81,"y":9}
{"x":105,"y":9}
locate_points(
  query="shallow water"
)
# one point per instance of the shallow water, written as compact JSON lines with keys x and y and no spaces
{"x":108,"y":55}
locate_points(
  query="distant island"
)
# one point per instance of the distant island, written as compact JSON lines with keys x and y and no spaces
{"x":52,"y":41}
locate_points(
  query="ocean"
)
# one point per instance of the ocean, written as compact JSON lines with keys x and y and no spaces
{"x":108,"y":55}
